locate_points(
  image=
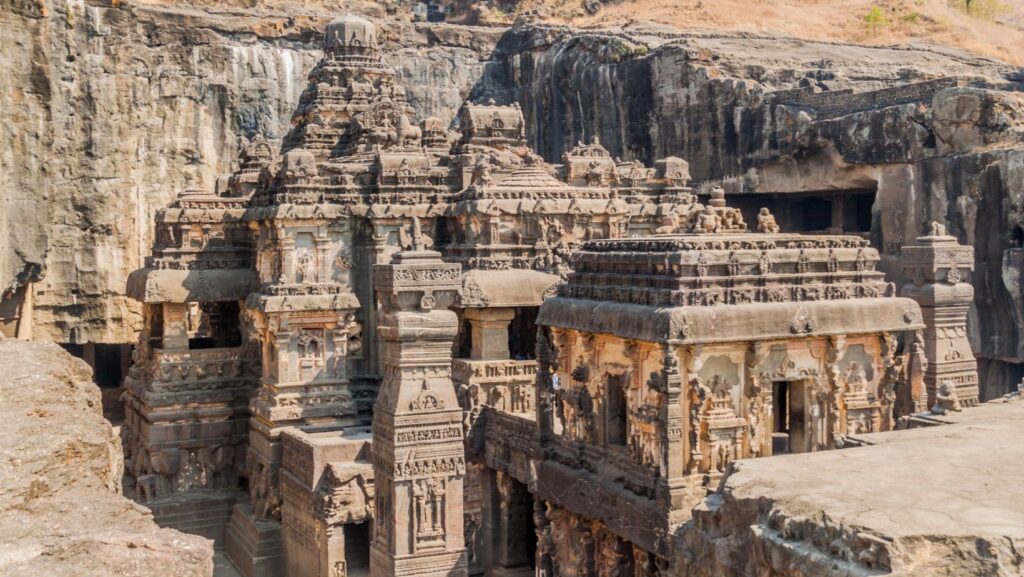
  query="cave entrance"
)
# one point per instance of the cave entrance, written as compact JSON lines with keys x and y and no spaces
{"x":510,"y":536}
{"x":110,"y":363}
{"x":789,"y":429}
{"x":16,"y":313}
{"x":824,"y":212}
{"x":617,"y":418}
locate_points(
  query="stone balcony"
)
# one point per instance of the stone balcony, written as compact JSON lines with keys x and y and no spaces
{"x":505,"y":385}
{"x":214,"y":373}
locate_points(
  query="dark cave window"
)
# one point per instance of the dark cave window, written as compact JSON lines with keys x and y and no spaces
{"x":861,"y":221}
{"x":817,"y":214}
{"x":617,"y":417}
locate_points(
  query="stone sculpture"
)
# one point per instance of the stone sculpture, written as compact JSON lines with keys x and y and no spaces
{"x":946,"y":399}
{"x":766,"y":222}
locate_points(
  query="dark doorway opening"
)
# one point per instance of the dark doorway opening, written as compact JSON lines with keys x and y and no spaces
{"x":816,"y":213}
{"x":828,"y":211}
{"x":530,"y":538}
{"x":780,"y":411}
{"x":464,"y":340}
{"x":522,"y":334}
{"x":214,"y":325}
{"x":789,"y":431}
{"x":617,"y":417}
{"x":109,"y":362}
{"x":357,"y":549}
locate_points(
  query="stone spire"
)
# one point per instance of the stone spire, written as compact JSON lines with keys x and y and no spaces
{"x":353,"y":102}
{"x":418,"y":453}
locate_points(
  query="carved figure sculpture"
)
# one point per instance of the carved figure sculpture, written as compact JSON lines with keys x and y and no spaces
{"x":766,"y":222}
{"x":708,"y":221}
{"x":408,"y":133}
{"x":946,"y":399}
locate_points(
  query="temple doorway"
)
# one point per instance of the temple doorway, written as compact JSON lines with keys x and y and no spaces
{"x":357,"y":549}
{"x":617,"y":410}
{"x":789,"y":429}
{"x":510,"y":535}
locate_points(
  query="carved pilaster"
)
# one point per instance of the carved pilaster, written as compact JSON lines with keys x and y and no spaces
{"x":418,"y":453}
{"x":546,"y":369}
{"x":670,"y":383}
{"x":937,"y":266}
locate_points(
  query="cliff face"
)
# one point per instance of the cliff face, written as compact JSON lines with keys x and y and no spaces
{"x":934,"y":133}
{"x":114,"y":110}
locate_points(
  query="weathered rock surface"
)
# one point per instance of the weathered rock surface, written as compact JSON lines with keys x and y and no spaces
{"x":936,"y":501}
{"x":933,"y":131}
{"x":112,"y":110}
{"x":60,"y":473}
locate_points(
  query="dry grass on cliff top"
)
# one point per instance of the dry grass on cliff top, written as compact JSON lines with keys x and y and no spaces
{"x":992,"y":28}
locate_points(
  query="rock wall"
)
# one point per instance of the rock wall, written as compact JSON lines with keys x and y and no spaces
{"x":935,"y":132}
{"x":61,"y":465}
{"x":115,"y":108}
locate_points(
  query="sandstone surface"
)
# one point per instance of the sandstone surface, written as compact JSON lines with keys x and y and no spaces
{"x":113,"y":109}
{"x":60,"y":475}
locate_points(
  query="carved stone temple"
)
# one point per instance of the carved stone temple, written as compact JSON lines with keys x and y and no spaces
{"x":393,"y":348}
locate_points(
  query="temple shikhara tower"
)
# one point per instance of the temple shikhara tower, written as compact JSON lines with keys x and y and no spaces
{"x":401,"y":346}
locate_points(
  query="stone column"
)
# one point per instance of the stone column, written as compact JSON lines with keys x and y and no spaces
{"x":838,"y":214}
{"x":547,"y":367}
{"x":175,"y":327}
{"x":936,"y":266}
{"x":418,"y":453}
{"x":287,"y":257}
{"x":671,"y":489}
{"x":490,"y":333}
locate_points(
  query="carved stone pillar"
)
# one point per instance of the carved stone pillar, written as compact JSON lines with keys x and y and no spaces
{"x":419,"y":458}
{"x":287,"y":257}
{"x":175,"y":327}
{"x":546,"y":373}
{"x":937,"y":266}
{"x":671,"y":486}
{"x":490,"y":333}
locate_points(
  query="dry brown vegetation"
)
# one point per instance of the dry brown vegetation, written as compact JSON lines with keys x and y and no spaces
{"x":992,"y":28}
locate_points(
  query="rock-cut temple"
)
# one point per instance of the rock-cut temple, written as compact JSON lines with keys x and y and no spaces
{"x":400,"y":348}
